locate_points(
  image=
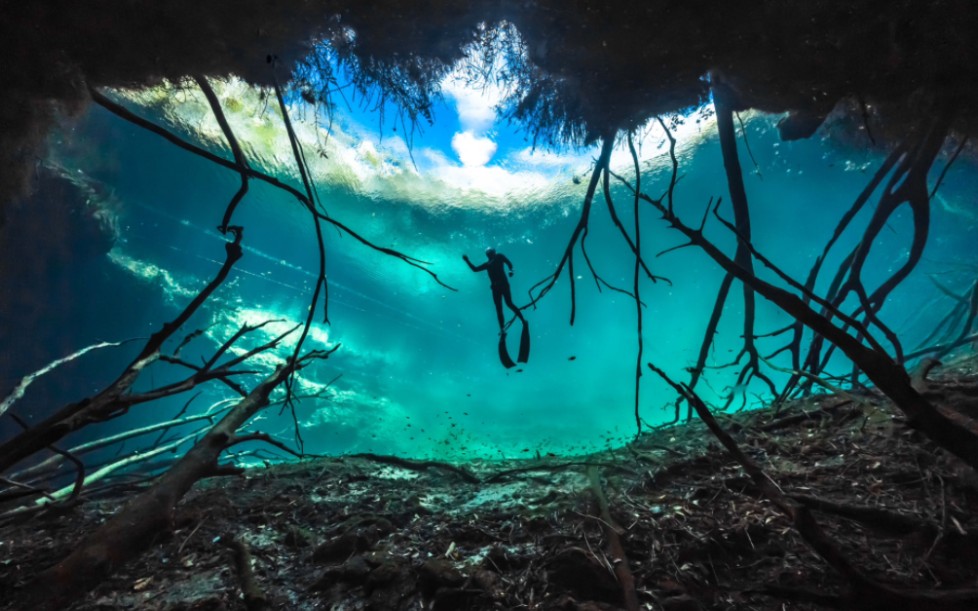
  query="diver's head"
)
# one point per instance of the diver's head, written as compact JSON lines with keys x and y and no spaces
{"x":490,"y":252}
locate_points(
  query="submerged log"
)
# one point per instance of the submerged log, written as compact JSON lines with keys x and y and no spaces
{"x":150,"y":513}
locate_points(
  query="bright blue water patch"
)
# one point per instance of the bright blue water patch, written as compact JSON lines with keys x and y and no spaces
{"x":419,"y":369}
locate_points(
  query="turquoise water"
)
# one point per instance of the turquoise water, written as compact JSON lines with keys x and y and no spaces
{"x":418,"y":369}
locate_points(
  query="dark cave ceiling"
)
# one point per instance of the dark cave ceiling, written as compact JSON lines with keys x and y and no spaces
{"x":591,"y":67}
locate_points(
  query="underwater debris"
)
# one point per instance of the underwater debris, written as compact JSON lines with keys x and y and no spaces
{"x":438,"y":539}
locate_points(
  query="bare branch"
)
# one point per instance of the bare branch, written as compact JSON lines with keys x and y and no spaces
{"x":133,"y":459}
{"x":568,"y":258}
{"x":264,"y":437}
{"x":83,"y":448}
{"x":21,"y":387}
{"x":951,"y":433}
{"x":127,"y":115}
{"x":113,"y":399}
{"x":240,"y":161}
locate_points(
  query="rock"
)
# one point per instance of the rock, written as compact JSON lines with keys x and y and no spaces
{"x":355,"y":568}
{"x":358,"y":538}
{"x":389,"y":584}
{"x":297,"y":536}
{"x":339,"y":548}
{"x":683,"y":602}
{"x":488,"y":581}
{"x":574,"y":571}
{"x":439,"y":573}
{"x":799,"y":125}
{"x":451,"y":599}
{"x":387,"y":572}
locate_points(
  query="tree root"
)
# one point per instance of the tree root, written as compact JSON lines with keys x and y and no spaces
{"x":918,"y":378}
{"x":615,"y":550}
{"x":876,"y":518}
{"x":796,"y":418}
{"x":254,"y":597}
{"x":419,"y":465}
{"x":863,"y":592}
{"x":468,"y":476}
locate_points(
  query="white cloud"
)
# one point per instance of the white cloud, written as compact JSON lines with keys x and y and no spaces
{"x":473,"y":150}
{"x":476,"y":105}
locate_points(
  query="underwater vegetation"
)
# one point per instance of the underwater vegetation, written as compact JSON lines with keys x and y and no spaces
{"x":730,"y":292}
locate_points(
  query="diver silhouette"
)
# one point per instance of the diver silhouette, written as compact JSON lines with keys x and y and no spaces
{"x":495,"y":266}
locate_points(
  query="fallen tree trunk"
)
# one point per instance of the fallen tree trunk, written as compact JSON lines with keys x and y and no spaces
{"x":150,"y":513}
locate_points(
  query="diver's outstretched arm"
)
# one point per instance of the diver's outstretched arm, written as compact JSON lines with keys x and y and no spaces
{"x":475,"y":268}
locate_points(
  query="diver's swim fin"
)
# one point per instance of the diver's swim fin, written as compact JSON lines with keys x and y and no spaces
{"x":524,"y":343}
{"x":504,"y":354}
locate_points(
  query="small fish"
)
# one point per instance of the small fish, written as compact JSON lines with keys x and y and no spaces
{"x":572,"y":358}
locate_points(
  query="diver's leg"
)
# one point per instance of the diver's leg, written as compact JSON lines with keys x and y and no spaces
{"x":524,"y":353}
{"x":508,"y":296}
{"x":497,"y":299}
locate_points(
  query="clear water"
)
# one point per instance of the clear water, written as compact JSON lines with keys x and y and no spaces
{"x":418,"y":367}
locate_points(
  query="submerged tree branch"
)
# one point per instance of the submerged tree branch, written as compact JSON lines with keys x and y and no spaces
{"x":863,"y":592}
{"x":239,"y":158}
{"x":619,"y":559}
{"x":547,"y":283}
{"x":18,"y":392}
{"x":126,"y":114}
{"x":956,"y":436}
{"x":635,"y":287}
{"x":151,"y":512}
{"x":724,"y":104}
{"x":113,"y":399}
